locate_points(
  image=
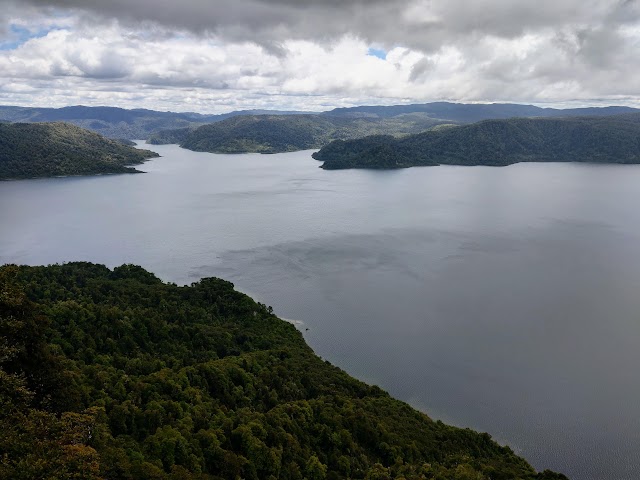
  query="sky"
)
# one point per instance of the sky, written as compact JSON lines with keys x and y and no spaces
{"x":214,"y":56}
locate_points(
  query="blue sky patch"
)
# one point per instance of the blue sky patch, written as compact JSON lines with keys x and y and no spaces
{"x":19,"y":35}
{"x":377,"y":52}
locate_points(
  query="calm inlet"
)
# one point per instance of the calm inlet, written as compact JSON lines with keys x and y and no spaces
{"x":506,"y":300}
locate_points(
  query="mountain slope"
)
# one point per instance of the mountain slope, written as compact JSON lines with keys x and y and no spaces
{"x":369,"y":120}
{"x":115,"y":122}
{"x":474,"y":112}
{"x":29,"y":150}
{"x":614,"y":139}
{"x":277,"y":133}
{"x":263,"y":134}
{"x":280,"y":133}
{"x":124,"y":376}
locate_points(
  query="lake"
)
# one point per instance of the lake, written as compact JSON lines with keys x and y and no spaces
{"x":506,"y":300}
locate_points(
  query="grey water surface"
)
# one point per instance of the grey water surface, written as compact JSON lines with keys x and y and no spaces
{"x":502,"y":299}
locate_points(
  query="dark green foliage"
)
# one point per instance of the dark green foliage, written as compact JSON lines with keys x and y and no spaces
{"x":613,"y":139}
{"x":166,"y":137}
{"x":287,"y":133}
{"x":124,"y":141}
{"x":340,"y":123}
{"x":108,"y":121}
{"x":259,"y":133}
{"x":29,"y":150}
{"x":115,"y":122}
{"x":38,"y":437}
{"x":149,"y":124}
{"x":475,"y":112}
{"x":202,"y":382}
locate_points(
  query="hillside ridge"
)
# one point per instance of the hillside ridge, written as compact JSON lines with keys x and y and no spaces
{"x":32,"y":150}
{"x":605,"y":139}
{"x":116,"y":374}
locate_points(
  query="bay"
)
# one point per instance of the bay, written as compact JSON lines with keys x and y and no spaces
{"x":506,"y":300}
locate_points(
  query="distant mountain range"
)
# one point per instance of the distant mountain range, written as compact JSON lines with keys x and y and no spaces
{"x":114,"y":122}
{"x":334,"y":124}
{"x":280,"y":133}
{"x":474,"y":112}
{"x":29,"y":150}
{"x":604,"y":139}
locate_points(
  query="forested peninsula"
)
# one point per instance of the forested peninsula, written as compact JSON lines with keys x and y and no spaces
{"x":286,"y":133}
{"x":31,"y":150}
{"x":603,"y":139}
{"x":113,"y":374}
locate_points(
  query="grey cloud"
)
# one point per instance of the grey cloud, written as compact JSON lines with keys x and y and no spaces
{"x":600,"y":47}
{"x":420,"y":69}
{"x":580,"y":43}
{"x":429,"y":23}
{"x":269,"y":22}
{"x":108,"y":66}
{"x":587,"y":31}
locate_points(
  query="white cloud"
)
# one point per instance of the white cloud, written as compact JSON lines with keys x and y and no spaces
{"x":288,"y":55}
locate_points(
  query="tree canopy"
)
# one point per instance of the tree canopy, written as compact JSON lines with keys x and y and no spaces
{"x":114,"y":374}
{"x":29,"y":150}
{"x":604,"y":139}
{"x":286,"y":133}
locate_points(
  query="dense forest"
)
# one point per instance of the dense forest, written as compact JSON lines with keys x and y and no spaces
{"x":474,"y":112}
{"x":286,"y":133}
{"x":143,"y":124}
{"x":30,"y":150}
{"x":169,"y":137}
{"x":604,"y":139}
{"x":115,"y":122}
{"x":113,"y":374}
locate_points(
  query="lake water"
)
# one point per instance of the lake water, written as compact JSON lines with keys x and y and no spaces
{"x":502,"y":299}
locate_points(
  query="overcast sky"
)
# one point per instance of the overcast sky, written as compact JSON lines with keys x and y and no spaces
{"x":215,"y":56}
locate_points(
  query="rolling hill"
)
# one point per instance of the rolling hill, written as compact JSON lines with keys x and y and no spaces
{"x":286,"y":133}
{"x":474,"y":112}
{"x":30,"y":150}
{"x":115,"y":122}
{"x":278,"y":133}
{"x":605,"y":139}
{"x":339,"y":123}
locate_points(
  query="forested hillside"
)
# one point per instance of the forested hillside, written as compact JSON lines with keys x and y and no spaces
{"x":115,"y":122}
{"x":286,"y":133}
{"x":278,"y":131}
{"x":114,"y":374}
{"x":605,"y":139}
{"x":30,"y":150}
{"x":474,"y":112}
{"x":172,"y":136}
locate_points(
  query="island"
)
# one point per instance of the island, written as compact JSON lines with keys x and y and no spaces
{"x":602,"y":139}
{"x":112,"y":373}
{"x":32,"y":150}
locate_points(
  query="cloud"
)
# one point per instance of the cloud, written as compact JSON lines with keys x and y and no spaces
{"x":419,"y":24}
{"x":303,"y":54}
